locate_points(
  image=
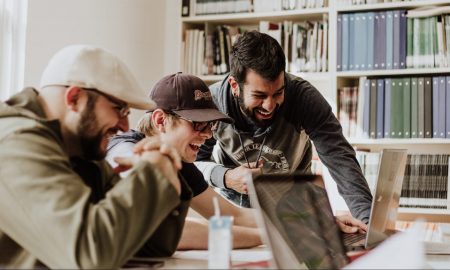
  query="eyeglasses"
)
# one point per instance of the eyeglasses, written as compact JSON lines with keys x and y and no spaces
{"x":122,"y":108}
{"x":199,"y":126}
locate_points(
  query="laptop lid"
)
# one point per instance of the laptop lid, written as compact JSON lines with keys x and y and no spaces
{"x":298,"y":222}
{"x":386,"y":198}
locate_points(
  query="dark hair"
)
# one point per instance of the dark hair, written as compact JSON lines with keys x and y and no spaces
{"x":259,"y":52}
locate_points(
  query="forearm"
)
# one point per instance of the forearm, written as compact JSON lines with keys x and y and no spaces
{"x":212,"y":172}
{"x":195,"y":235}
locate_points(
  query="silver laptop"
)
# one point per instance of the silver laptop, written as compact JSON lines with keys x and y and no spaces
{"x":298,"y":222}
{"x":385,"y":201}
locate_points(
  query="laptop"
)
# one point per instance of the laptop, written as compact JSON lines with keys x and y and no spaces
{"x":385,"y":201}
{"x":298,"y":221}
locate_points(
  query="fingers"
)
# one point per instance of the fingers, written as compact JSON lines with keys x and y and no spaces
{"x":171,"y":153}
{"x":147,"y":144}
{"x":126,"y":161}
{"x":155,"y":144}
{"x":346,"y":228}
{"x":347,"y":221}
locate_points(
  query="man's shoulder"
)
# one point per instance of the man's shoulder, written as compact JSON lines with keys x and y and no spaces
{"x":16,"y":124}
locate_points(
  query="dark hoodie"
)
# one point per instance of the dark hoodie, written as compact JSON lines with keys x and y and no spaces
{"x":304,"y":116}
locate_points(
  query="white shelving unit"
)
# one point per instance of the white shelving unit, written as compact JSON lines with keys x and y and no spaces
{"x":328,"y":82}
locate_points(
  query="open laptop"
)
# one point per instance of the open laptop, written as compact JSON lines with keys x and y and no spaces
{"x":299,"y":225}
{"x":383,"y":214}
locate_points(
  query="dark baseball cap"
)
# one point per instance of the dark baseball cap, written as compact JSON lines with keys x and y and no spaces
{"x":187,"y":96}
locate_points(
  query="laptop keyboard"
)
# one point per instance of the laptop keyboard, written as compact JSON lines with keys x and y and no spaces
{"x":351,"y":238}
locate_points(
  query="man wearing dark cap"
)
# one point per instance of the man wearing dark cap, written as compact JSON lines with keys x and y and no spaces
{"x":185,"y":117}
{"x":62,"y":205}
{"x":277,"y":116}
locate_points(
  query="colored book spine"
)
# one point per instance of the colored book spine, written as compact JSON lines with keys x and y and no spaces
{"x":370,"y":40}
{"x":428,"y":108}
{"x":387,"y":107}
{"x":406,"y":107}
{"x":380,"y":108}
{"x":421,"y":107}
{"x":339,"y":43}
{"x":389,"y":39}
{"x":435,"y":102}
{"x":414,"y":108}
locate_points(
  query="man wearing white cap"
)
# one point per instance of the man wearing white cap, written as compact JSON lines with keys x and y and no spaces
{"x":62,"y":204}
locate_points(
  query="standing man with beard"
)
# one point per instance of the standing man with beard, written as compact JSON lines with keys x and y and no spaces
{"x":62,"y":204}
{"x":276,"y":115}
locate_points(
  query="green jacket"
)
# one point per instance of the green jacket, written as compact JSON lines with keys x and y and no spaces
{"x":48,"y":215}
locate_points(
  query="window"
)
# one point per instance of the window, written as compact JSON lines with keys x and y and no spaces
{"x":12,"y":46}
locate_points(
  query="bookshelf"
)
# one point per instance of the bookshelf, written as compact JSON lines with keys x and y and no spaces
{"x":329,"y":81}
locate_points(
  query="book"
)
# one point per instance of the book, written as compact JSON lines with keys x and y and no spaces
{"x":352,"y":44}
{"x":406,"y":107}
{"x":390,"y":48}
{"x":421,"y":107}
{"x":403,"y":36}
{"x":387,"y":107}
{"x":185,"y":8}
{"x":373,"y":109}
{"x":380,"y":109}
{"x":435,"y":102}
{"x":345,"y":42}
{"x":380,"y":40}
{"x":366,"y":120}
{"x":370,"y":40}
{"x":414,"y":108}
{"x":339,"y":43}
{"x":447,"y":107}
{"x":428,"y":108}
{"x":441,"y":107}
{"x":397,"y":108}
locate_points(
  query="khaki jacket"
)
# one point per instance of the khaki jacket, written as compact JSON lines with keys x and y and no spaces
{"x":47,"y":216}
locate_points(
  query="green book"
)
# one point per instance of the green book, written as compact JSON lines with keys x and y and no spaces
{"x":409,"y":43}
{"x":406,"y":107}
{"x":421,"y":107}
{"x":414,"y":108}
{"x":397,"y":108}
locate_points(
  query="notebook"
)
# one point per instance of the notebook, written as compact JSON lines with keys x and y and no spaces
{"x":299,"y":225}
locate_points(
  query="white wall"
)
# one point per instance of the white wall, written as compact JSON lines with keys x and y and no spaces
{"x":172,"y":49}
{"x":132,"y":29}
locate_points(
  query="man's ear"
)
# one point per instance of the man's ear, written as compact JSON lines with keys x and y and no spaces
{"x":234,"y":86}
{"x":72,"y":98}
{"x":159,"y":120}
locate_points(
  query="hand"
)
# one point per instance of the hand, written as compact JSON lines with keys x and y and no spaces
{"x":349,"y":224}
{"x":236,"y":178}
{"x":162,"y":156}
{"x":155,"y":143}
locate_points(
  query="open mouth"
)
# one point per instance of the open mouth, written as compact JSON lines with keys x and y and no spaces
{"x":195,"y":146}
{"x":264,"y":114}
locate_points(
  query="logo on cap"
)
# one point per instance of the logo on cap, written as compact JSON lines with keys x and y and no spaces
{"x":198,"y":95}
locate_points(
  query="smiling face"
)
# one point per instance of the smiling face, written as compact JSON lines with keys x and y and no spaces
{"x":259,"y":98}
{"x":180,"y":134}
{"x":99,"y":121}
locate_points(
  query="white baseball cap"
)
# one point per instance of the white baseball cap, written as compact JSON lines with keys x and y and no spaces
{"x":87,"y":66}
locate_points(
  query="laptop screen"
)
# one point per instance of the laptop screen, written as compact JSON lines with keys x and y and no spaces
{"x":295,"y":210}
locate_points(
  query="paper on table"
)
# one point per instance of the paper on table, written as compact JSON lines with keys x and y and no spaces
{"x":403,"y":250}
{"x":244,"y":255}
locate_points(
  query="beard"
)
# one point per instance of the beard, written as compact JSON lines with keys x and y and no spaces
{"x":250,"y":113}
{"x":89,"y":137}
